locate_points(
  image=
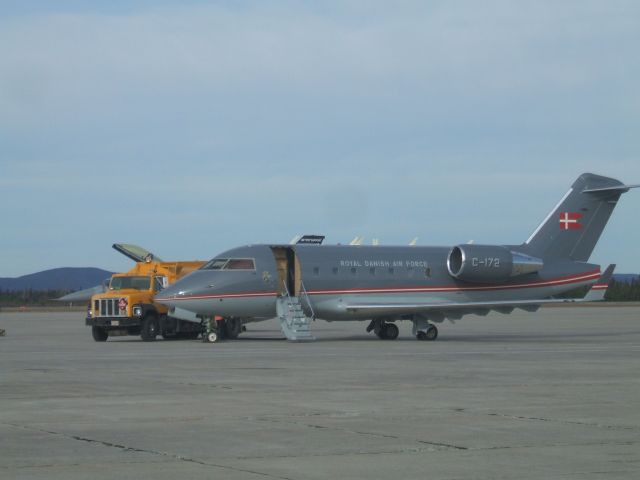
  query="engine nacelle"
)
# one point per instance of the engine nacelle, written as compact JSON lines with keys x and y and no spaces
{"x":489,"y":263}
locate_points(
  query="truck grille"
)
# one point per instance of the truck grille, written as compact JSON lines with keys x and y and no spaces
{"x":110,"y":307}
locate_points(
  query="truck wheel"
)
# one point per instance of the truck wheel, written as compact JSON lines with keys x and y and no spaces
{"x":99,"y":334}
{"x":149,"y":329}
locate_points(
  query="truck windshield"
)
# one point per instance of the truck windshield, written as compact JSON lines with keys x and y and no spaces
{"x":134,"y":283}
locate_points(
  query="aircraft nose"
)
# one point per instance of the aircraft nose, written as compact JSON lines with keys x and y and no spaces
{"x":169,"y":294}
{"x":173,"y":293}
{"x":186,"y":293}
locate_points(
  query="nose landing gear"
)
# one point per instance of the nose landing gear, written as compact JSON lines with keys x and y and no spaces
{"x":219,"y":328}
{"x":212,"y":329}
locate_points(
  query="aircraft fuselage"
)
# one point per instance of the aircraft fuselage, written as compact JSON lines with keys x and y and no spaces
{"x":333,"y":277}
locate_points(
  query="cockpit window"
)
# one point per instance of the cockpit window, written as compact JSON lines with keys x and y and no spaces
{"x":240,"y":264}
{"x":215,"y":264}
{"x":230,"y":264}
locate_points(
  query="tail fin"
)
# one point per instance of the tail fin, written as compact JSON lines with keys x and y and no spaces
{"x":574,"y":226}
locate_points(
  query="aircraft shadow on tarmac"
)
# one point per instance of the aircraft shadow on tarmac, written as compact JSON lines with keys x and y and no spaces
{"x":553,"y":337}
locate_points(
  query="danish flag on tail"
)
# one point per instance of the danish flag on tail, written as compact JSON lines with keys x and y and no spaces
{"x":570,"y":221}
{"x":575,"y":224}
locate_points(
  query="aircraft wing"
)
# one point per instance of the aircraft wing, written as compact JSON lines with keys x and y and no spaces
{"x":456,"y":309}
{"x":81,"y":295}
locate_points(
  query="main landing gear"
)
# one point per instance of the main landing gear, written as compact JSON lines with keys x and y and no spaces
{"x":384,"y":330}
{"x":430,"y":334}
{"x":423,"y":330}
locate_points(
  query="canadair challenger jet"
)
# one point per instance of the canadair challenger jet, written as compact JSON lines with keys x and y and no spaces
{"x":383,"y":284}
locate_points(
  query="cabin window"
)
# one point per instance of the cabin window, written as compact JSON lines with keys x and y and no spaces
{"x":372,"y":271}
{"x":240,"y":264}
{"x":353,"y":270}
{"x":427,"y":272}
{"x":391,"y":271}
{"x":335,"y":270}
{"x":316,"y":271}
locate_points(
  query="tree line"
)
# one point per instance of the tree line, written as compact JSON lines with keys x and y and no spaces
{"x":623,"y":291}
{"x":29,"y":297}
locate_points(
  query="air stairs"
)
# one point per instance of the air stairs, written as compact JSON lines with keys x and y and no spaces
{"x":293,"y":321}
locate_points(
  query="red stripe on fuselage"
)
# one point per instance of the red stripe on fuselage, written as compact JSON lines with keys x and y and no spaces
{"x":222,"y":295}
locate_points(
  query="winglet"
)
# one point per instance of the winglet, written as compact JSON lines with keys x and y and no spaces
{"x":357,"y":241}
{"x":598,"y":290}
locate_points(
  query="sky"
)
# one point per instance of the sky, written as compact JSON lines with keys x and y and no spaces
{"x":190,"y":127}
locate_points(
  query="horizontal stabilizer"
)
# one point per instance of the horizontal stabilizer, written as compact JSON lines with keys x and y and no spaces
{"x":612,"y":189}
{"x":598,"y":290}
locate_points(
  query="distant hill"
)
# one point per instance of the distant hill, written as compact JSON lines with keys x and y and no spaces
{"x":57,"y":279}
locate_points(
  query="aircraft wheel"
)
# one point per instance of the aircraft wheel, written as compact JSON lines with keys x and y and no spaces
{"x":432,"y":333}
{"x":149,"y":329}
{"x":391,"y":331}
{"x":99,"y":334}
{"x":212,"y":337}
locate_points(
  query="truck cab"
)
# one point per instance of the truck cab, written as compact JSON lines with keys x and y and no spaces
{"x":127,"y":307}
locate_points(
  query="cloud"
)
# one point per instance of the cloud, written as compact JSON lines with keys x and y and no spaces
{"x":259,"y":119}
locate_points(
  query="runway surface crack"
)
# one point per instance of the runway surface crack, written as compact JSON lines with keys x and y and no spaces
{"x":364,"y":433}
{"x":566,"y":422}
{"x":127,"y":448}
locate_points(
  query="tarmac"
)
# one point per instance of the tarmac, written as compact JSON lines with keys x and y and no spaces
{"x":547,"y":395}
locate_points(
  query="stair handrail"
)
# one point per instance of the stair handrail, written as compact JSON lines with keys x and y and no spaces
{"x":303,"y":290}
{"x":286,"y":290}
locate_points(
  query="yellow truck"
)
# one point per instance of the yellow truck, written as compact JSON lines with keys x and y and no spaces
{"x":127,"y":308}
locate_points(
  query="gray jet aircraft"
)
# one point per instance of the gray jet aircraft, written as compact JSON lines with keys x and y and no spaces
{"x":425,"y":285}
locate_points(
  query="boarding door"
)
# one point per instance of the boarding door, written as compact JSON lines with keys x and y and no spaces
{"x":288,"y":267}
